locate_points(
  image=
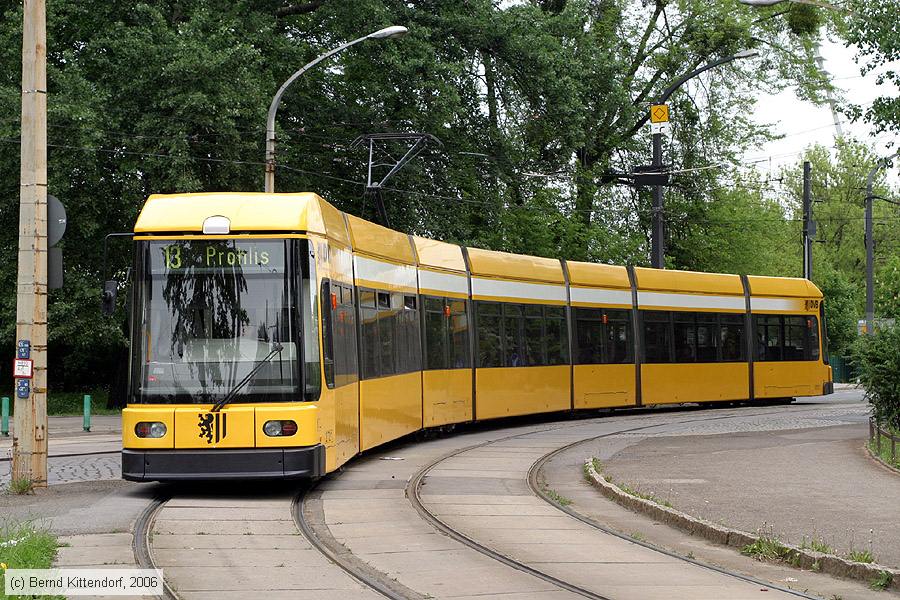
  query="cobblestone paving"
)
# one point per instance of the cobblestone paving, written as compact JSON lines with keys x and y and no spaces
{"x":68,"y":469}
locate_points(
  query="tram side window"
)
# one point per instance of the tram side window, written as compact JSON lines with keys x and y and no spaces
{"x":488,"y":328}
{"x":369,"y":316}
{"x":520,"y":335}
{"x":794,"y":338}
{"x":657,"y":337}
{"x":556,"y":336}
{"x":787,"y":337}
{"x":534,"y":336}
{"x":408,"y":340}
{"x":812,"y":327}
{"x":685,"y":337}
{"x":732,"y":337}
{"x":436,"y":343}
{"x":618,"y":337}
{"x":327,"y":334}
{"x":589,"y":336}
{"x":768,"y":337}
{"x":390,"y":340}
{"x":513,"y":333}
{"x":603,"y":336}
{"x":338,"y":334}
{"x":459,"y":334}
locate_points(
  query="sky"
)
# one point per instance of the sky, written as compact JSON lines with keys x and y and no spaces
{"x":803,"y":123}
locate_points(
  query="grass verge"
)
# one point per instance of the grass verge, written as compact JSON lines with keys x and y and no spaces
{"x":24,"y":546}
{"x":885,"y":453}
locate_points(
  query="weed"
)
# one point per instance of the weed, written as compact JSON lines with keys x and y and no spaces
{"x":690,"y":555}
{"x":820,"y":546}
{"x":767,"y":548}
{"x":642,"y":496}
{"x":557,"y":497}
{"x":21,"y":486}
{"x":23,"y":546}
{"x":861,"y":556}
{"x":637,"y":535}
{"x":816,"y":566}
{"x":882,"y":580}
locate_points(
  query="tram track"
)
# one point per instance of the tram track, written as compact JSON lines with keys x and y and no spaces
{"x":141,"y":541}
{"x":310,"y":523}
{"x":414,"y":485}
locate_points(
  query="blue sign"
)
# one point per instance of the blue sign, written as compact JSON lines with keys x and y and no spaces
{"x":23,"y":349}
{"x":23,"y":388}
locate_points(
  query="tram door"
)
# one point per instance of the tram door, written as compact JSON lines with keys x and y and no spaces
{"x":340,"y":356}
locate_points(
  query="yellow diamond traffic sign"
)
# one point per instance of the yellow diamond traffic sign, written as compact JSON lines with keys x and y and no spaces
{"x":659,"y":113}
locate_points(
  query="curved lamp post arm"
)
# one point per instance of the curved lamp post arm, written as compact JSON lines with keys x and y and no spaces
{"x":870,"y":242}
{"x":387,"y":32}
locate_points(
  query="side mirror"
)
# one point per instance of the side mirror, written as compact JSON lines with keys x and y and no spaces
{"x":108,"y":298}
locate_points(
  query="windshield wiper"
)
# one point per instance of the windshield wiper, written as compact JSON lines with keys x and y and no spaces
{"x":276,"y":349}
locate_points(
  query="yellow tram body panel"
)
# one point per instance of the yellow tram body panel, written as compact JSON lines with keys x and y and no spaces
{"x":389,"y":407}
{"x":695,"y":382}
{"x":604,"y":386}
{"x":507,"y":392}
{"x":447,"y":396}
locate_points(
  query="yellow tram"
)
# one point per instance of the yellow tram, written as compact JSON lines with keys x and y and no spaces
{"x":274,"y":336}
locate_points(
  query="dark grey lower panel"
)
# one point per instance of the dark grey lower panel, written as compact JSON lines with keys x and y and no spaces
{"x":251,"y":463}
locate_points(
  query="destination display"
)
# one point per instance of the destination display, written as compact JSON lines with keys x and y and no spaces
{"x":208,"y":256}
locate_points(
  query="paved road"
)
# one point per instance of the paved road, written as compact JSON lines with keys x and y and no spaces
{"x":482,"y":493}
{"x":74,"y":455}
{"x":814,"y":482}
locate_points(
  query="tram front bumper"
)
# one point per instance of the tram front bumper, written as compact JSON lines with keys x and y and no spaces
{"x":244,"y":463}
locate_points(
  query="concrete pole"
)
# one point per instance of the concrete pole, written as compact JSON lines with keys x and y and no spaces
{"x":657,"y":236}
{"x":807,"y":219}
{"x":30,"y":432}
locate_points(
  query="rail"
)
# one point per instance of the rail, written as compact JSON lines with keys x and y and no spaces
{"x":876,"y":433}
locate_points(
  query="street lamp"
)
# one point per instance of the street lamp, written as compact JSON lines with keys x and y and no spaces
{"x":388,"y":32}
{"x":657,"y":245}
{"x":870,"y":243}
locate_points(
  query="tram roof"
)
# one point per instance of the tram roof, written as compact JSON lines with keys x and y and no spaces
{"x":246,"y":211}
{"x":792,"y":287}
{"x":309,"y":212}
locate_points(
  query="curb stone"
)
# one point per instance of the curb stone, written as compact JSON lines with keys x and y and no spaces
{"x":726,"y":536}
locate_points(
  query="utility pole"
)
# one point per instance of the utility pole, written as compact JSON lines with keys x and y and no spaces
{"x":657,"y":243}
{"x":30,"y":435}
{"x":657,"y":238}
{"x":807,"y":220}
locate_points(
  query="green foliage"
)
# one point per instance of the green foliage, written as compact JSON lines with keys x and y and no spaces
{"x":887,"y":289}
{"x":874,"y":30}
{"x":804,"y":19}
{"x":24,"y":546}
{"x":877,"y":358}
{"x":20,"y":487}
{"x":767,"y":548}
{"x":861,"y":556}
{"x":841,"y":307}
{"x":816,"y":545}
{"x":882,"y":581}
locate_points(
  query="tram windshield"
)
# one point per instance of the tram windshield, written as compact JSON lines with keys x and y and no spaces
{"x":208,"y":311}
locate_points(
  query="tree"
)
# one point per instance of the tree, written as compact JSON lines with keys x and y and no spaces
{"x":875,"y":31}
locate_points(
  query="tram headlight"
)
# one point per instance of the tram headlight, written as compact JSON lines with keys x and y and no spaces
{"x":280,"y":428}
{"x":148,"y":429}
